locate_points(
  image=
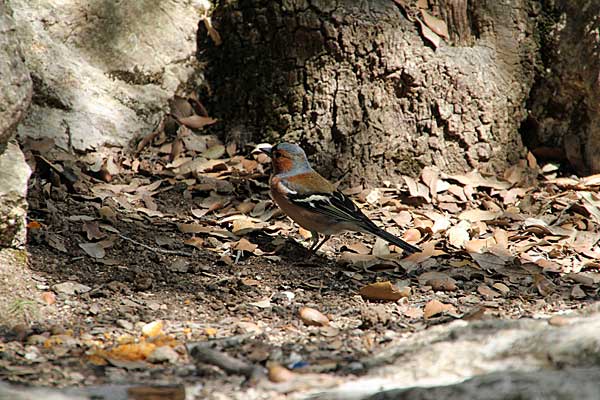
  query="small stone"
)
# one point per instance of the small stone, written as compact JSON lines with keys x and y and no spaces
{"x":179,"y":265}
{"x":123,"y":323}
{"x":310,"y":316}
{"x":94,"y":309}
{"x":153,"y":329}
{"x":71,"y":288}
{"x":163,"y":354}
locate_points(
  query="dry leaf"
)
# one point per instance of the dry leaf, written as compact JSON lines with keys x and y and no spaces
{"x":196,"y":121}
{"x":195,"y":242}
{"x":428,"y":34}
{"x":489,"y":261}
{"x":381,"y":248}
{"x":92,"y":230}
{"x":479,"y":215}
{"x":212,"y":32}
{"x":501,"y":287}
{"x":413,"y":312}
{"x":381,"y":291}
{"x":93,"y":249}
{"x":214,"y":152}
{"x":435,"y":24}
{"x":243,"y":226}
{"x":458,"y":235}
{"x":486,"y":291}
{"x":244,"y":245}
{"x":358,"y":247}
{"x":435,"y":307}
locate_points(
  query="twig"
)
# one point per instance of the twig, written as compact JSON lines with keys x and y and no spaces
{"x":230,"y":365}
{"x":156,"y":249}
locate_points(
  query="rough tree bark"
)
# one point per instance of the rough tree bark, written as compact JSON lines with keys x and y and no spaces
{"x":565,"y":102}
{"x":356,"y":84}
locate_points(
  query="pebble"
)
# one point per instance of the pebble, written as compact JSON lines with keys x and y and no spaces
{"x":123,"y":323}
{"x":71,"y":288}
{"x":162,"y":354}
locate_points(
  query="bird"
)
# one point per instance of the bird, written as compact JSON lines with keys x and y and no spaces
{"x":313,"y":202}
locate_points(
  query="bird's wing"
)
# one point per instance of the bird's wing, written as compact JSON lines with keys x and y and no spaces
{"x":334,"y":205}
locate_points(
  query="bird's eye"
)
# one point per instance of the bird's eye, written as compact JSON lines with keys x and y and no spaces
{"x":276,"y":154}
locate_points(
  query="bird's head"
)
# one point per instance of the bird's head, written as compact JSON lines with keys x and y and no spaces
{"x":286,"y":157}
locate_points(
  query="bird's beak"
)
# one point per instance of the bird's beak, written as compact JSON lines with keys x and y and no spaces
{"x":265,"y":148}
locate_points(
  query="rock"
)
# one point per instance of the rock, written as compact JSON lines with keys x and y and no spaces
{"x":179,"y":265}
{"x":571,"y":383}
{"x":163,"y":354}
{"x":15,"y":85}
{"x":13,"y":195}
{"x":71,"y":288}
{"x":485,"y":359}
{"x":103,"y":77}
{"x":15,"y":96}
{"x":125,"y":324}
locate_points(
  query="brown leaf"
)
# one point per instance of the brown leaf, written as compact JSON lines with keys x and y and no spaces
{"x":501,"y":287}
{"x":489,"y":261}
{"x":381,"y":291}
{"x":487,"y":292}
{"x":214,"y":152}
{"x":428,"y":252}
{"x":243,"y":226}
{"x":196,"y":121}
{"x":212,"y":32}
{"x":313,"y":317}
{"x":475,"y":179}
{"x":93,"y":249}
{"x":544,"y":286}
{"x":244,"y":245}
{"x":381,"y":248}
{"x":92,"y":230}
{"x":412,"y":235}
{"x":194,"y":242}
{"x":358,"y":247}
{"x":211,"y":230}
{"x":458,"y":235}
{"x":413,"y":312}
{"x":479,"y":215}
{"x":435,"y":24}
{"x":428,"y":34}
{"x":435,"y":307}
{"x":417,"y":189}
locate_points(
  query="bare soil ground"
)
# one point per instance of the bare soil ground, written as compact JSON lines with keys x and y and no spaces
{"x":170,"y":258}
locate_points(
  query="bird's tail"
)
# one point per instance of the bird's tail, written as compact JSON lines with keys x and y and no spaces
{"x":407,"y":247}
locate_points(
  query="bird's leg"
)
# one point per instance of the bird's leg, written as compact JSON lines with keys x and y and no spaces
{"x":325,"y":238}
{"x":314,"y":235}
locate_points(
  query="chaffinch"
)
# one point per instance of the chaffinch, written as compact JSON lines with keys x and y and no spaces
{"x":314,"y":203}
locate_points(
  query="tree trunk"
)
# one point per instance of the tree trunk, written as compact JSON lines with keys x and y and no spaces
{"x":565,"y":101}
{"x":356,"y":84}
